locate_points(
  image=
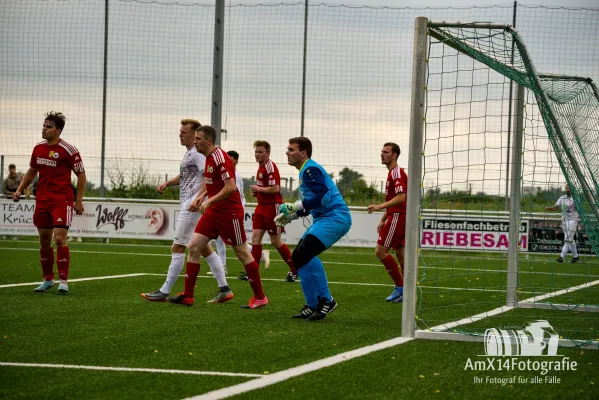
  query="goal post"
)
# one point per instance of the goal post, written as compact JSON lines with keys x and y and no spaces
{"x":469,"y":264}
{"x":413,"y":206}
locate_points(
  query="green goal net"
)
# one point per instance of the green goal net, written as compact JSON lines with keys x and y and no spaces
{"x":501,"y":142}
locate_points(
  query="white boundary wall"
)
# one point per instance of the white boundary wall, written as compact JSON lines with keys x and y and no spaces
{"x":158,"y":221}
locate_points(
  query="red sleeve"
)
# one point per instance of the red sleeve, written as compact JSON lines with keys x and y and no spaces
{"x":401,"y":184}
{"x":33,"y":160}
{"x":76,"y":163}
{"x":227,"y":170}
{"x":274,"y":178}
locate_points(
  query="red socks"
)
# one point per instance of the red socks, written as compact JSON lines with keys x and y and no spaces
{"x":47,"y":261}
{"x":286,"y":255}
{"x":191,"y":275}
{"x":63,"y":259}
{"x":254,"y":278}
{"x":393,"y":270}
{"x":257,"y":252}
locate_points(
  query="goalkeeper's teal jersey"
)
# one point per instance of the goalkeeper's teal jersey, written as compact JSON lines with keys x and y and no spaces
{"x":315,"y":183}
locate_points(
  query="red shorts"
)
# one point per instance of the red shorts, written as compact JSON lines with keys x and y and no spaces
{"x":393,"y":234}
{"x":48,"y":215}
{"x":264,"y":217}
{"x":230,"y":229}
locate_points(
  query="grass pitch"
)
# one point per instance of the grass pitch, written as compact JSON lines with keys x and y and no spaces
{"x":104,"y":322}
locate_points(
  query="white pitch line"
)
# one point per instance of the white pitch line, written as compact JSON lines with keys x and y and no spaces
{"x":367,"y":284}
{"x":471,"y":270}
{"x":93,"y":278}
{"x":267,"y":380}
{"x":559,"y":292}
{"x":124,"y":369}
{"x":97,"y":278}
{"x":501,"y":310}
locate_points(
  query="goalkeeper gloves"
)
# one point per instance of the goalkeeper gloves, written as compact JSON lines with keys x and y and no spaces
{"x":290,"y":208}
{"x":282,"y":219}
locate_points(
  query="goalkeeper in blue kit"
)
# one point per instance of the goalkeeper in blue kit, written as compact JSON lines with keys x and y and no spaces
{"x":331,"y":220}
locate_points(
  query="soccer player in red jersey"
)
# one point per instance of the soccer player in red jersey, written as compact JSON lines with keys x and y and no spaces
{"x":223,"y":216}
{"x":190,"y":181}
{"x":54,"y":159}
{"x":267,"y":191}
{"x":392,"y":227}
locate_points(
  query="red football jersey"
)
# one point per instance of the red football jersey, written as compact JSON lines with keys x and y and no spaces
{"x":55,"y":164}
{"x":397,"y":182}
{"x":268,"y":175}
{"x":219,"y":168}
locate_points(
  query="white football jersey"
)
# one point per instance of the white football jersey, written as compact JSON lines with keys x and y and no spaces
{"x":239,"y":184}
{"x":192,"y":176}
{"x":568,"y":208}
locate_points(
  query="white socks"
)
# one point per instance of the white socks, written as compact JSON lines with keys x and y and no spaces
{"x":221,"y":249}
{"x":217,"y":268}
{"x":177,"y":264}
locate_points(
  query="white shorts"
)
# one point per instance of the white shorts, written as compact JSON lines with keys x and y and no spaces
{"x":186,"y":224}
{"x":569,"y":228}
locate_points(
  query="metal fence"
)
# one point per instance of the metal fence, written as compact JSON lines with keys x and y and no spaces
{"x":131,"y":70}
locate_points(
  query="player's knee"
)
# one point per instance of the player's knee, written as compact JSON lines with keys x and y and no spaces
{"x":60,"y":241}
{"x":276,"y":240}
{"x":243,"y":254}
{"x":46,"y":240}
{"x":257,"y":235}
{"x":306,"y":250}
{"x":301,"y":257}
{"x":194,"y":249}
{"x":177,"y":248}
{"x":381,"y":252}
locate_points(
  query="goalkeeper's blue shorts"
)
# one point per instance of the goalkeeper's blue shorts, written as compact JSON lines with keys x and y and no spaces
{"x":330,"y":229}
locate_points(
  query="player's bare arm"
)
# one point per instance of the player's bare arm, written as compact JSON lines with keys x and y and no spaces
{"x":81,"y":180}
{"x":195,"y":204}
{"x":551,"y":208}
{"x":382,"y":221}
{"x":265,"y":189}
{"x":27,"y":179}
{"x":171,"y":182}
{"x":225,"y":192}
{"x":400,"y":198}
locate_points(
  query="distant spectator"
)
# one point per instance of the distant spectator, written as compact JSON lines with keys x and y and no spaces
{"x":12,"y":181}
{"x":569,"y":224}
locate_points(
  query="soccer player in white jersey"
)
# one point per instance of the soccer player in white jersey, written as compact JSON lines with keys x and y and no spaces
{"x":569,"y":224}
{"x":220,"y":244}
{"x":190,"y":181}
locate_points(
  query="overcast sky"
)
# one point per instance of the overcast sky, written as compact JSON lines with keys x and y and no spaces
{"x":433,"y":3}
{"x":358,"y":74}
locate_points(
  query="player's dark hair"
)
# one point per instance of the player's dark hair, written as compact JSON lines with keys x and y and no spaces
{"x":12,"y":166}
{"x":394,"y":148}
{"x":57,"y":118}
{"x":233,"y":154}
{"x":208,"y":131}
{"x":303,"y":143}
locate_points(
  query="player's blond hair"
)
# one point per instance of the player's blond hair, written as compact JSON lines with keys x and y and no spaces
{"x":195,"y":124}
{"x":262,"y":143}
